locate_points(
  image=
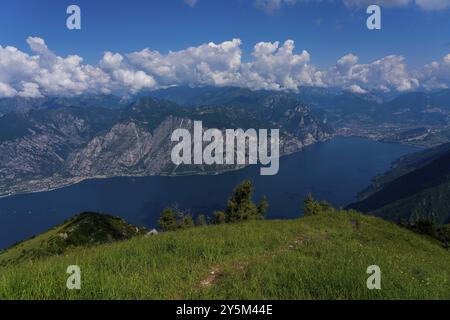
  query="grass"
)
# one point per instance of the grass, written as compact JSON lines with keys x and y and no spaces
{"x":85,"y":229}
{"x":317,"y":257}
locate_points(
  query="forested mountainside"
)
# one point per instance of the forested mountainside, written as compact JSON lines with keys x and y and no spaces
{"x":404,"y":165}
{"x":417,"y":188}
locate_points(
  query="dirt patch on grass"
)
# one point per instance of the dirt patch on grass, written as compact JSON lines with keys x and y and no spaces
{"x":212,"y":277}
{"x":298,"y":241}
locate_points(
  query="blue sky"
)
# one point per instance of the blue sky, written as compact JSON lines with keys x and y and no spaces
{"x":326,"y":30}
{"x":341,"y":51}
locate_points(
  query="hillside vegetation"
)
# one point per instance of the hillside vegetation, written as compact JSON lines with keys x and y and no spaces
{"x":86,"y":229}
{"x":405,"y":165}
{"x":423,"y":193}
{"x":321,"y":256}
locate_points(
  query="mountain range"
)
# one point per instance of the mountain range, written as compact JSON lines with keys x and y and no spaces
{"x":51,"y":143}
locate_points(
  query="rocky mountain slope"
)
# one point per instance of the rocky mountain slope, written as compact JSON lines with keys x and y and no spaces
{"x":56,"y":145}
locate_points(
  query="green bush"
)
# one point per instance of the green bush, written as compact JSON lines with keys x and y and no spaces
{"x":312,"y":207}
{"x":185,"y":222}
{"x":428,"y":227}
{"x":219,"y":217}
{"x":241,"y":206}
{"x":168,"y":220}
{"x":201,"y":220}
{"x":443,"y":234}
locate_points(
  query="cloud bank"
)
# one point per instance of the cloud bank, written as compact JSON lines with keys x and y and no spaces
{"x":273,"y":66}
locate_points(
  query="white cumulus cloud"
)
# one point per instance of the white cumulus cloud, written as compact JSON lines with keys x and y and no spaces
{"x":436,"y":75}
{"x":272,"y":66}
{"x":387,"y":74}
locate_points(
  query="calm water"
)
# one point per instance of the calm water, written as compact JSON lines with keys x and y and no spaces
{"x":334,"y":171}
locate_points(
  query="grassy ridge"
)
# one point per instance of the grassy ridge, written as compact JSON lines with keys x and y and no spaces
{"x":83,"y":230}
{"x":317,"y":257}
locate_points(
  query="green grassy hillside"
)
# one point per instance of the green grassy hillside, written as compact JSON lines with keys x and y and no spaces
{"x":85,"y":229}
{"x":324,"y":256}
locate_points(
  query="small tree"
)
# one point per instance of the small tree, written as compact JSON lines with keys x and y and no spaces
{"x":312,"y":207}
{"x":219,"y":217}
{"x":443,"y":234}
{"x":424,"y":226}
{"x":240,"y":205}
{"x":262,"y":207}
{"x":201,"y":220}
{"x":185,"y":221}
{"x":325,"y":206}
{"x":168,"y":220}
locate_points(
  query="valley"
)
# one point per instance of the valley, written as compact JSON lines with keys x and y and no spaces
{"x":59,"y":159}
{"x":52,"y":143}
{"x":49,"y":143}
{"x":333,"y":170}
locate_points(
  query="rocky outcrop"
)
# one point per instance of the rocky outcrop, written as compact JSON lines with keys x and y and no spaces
{"x":127,"y":149}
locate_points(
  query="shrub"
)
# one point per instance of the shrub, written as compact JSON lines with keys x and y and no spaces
{"x":310,"y":206}
{"x":424,"y":226}
{"x":443,"y":234}
{"x":241,"y":206}
{"x":168,"y":220}
{"x":219,"y":217}
{"x":262,"y":207}
{"x":185,"y":221}
{"x":201,"y":220}
{"x":429,"y":228}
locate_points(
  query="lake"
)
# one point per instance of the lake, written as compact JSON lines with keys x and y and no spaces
{"x":334,"y":171}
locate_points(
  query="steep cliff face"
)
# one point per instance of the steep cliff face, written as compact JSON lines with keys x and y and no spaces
{"x":39,"y":146}
{"x":52,"y":147}
{"x":127,"y":148}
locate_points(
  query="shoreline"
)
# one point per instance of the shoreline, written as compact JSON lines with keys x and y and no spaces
{"x":74,"y":181}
